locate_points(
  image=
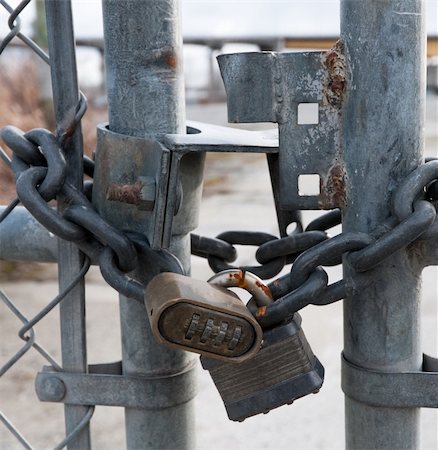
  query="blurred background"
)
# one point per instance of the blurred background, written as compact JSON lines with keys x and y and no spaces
{"x":237,"y":195}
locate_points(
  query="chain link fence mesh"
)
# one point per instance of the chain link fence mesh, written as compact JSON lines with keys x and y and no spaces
{"x":25,"y":326}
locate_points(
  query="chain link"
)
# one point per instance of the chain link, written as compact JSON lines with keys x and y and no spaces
{"x":268,"y":269}
{"x":37,"y":184}
{"x":40,"y":170}
{"x":414,"y":213}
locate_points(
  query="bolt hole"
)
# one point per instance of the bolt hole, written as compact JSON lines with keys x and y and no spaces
{"x":152,"y":311}
{"x":308,"y":113}
{"x":309,"y":185}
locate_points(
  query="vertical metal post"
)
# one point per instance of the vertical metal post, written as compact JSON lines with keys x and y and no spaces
{"x":384,"y":116}
{"x":143,"y":55}
{"x":66,"y":99}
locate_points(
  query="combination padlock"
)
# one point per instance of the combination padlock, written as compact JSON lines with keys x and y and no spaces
{"x":284,"y":370}
{"x":200,"y":317}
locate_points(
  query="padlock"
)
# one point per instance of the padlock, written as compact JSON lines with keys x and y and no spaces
{"x":284,"y":370}
{"x":197,"y":316}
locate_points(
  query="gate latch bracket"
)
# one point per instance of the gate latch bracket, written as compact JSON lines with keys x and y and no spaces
{"x":392,"y":390}
{"x":303,"y":93}
{"x":106,"y":385}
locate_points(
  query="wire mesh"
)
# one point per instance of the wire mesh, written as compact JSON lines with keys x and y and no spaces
{"x":27,"y":332}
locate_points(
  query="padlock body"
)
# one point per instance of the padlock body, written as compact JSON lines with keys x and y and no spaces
{"x":195,"y":316}
{"x":284,"y":370}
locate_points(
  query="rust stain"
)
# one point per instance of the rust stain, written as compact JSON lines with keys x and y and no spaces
{"x":333,"y":188}
{"x":261,"y":311}
{"x":336,"y":82}
{"x":240,"y":277}
{"x":67,"y":126}
{"x":265,"y":289}
{"x":125,"y":193}
{"x":171,"y":59}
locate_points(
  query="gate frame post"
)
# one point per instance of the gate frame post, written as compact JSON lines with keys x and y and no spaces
{"x":383,"y":142}
{"x":62,"y":52}
{"x":143,"y":56}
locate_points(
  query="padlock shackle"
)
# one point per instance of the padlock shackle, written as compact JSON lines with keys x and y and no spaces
{"x":285,"y":307}
{"x":245,"y":280}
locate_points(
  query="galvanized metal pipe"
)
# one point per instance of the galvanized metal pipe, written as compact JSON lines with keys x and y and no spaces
{"x":72,"y":308}
{"x":143,"y":51}
{"x":24,"y":239}
{"x":383,"y":133}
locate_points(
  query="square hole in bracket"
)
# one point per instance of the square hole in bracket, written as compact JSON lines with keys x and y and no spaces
{"x":309,"y":185}
{"x":308,"y":113}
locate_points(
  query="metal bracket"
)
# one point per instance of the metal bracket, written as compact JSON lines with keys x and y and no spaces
{"x":138,"y":184}
{"x":105,"y":385}
{"x":152,"y":186}
{"x":203,"y":137}
{"x":279,"y":87}
{"x":261,"y":87}
{"x":393,"y":390}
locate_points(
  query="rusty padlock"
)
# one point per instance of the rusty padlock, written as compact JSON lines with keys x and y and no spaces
{"x":284,"y":370}
{"x":205,"y":318}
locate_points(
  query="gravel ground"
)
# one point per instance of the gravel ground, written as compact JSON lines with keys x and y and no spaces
{"x":237,"y":196}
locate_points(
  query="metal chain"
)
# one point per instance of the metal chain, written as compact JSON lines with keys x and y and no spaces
{"x":40,"y":169}
{"x":267,"y":270}
{"x":272,"y":254}
{"x":413,"y":214}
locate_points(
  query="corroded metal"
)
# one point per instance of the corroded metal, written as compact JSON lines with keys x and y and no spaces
{"x":194,"y":315}
{"x":273,"y":87}
{"x":125,"y":165}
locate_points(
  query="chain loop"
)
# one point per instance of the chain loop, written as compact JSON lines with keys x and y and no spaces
{"x":56,"y":164}
{"x":267,"y":270}
{"x":326,"y":221}
{"x":40,"y":168}
{"x":286,"y":306}
{"x":326,"y":253}
{"x":116,"y":278}
{"x":204,"y":247}
{"x":29,"y":196}
{"x":413,"y":187}
{"x":289,"y":246}
{"x":399,"y":237}
{"x":26,"y":150}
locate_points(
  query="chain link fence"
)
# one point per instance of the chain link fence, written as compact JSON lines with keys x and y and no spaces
{"x":10,"y":15}
{"x":69,"y":108}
